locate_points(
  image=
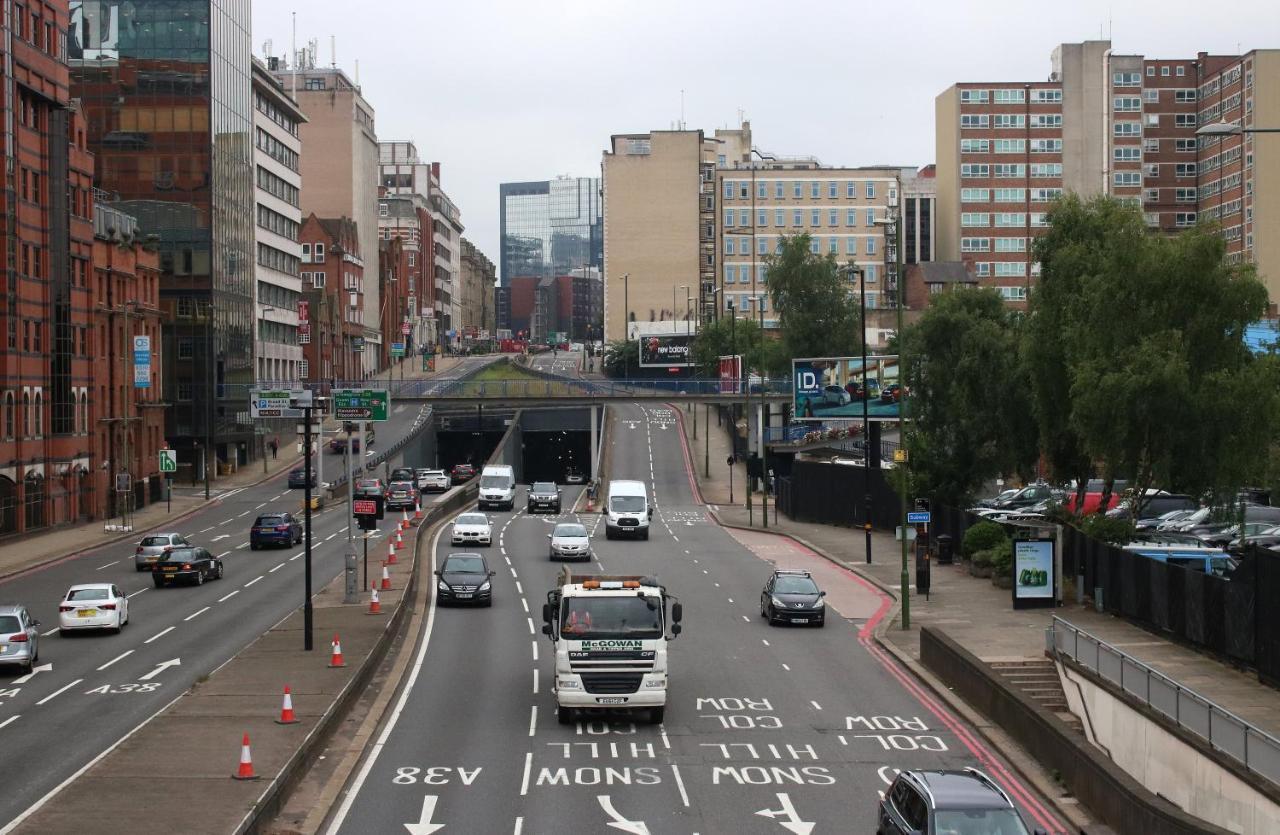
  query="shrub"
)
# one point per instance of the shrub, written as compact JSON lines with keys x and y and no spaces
{"x":1002,"y":560}
{"x":981,"y":537}
{"x":1107,"y":529}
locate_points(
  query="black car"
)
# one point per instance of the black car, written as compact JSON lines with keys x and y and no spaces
{"x":464,"y":578}
{"x":793,"y":597}
{"x":928,"y":802}
{"x":298,"y":477}
{"x":275,"y":529}
{"x":543,"y":495}
{"x":1155,"y":506}
{"x":402,"y":474}
{"x":194,"y":565}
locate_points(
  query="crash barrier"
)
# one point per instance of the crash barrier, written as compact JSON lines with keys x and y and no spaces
{"x":1114,"y":797}
{"x":1244,"y":743}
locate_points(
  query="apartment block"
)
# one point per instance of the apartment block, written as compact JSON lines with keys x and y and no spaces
{"x":407,"y":217}
{"x":334,"y":292}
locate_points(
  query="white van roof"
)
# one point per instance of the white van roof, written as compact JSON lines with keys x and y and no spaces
{"x":627,"y":488}
{"x":497,"y":469}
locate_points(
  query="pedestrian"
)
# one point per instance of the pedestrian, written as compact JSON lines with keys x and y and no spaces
{"x":275,"y":447}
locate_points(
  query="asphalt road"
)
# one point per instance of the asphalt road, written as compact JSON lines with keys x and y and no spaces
{"x":564,"y":363}
{"x":99,"y":686}
{"x":769,"y":729}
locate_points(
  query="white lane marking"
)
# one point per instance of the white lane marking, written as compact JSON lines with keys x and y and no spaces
{"x":246,"y":513}
{"x":226,"y":521}
{"x":704,"y":571}
{"x":532,"y":631}
{"x":138,"y":592}
{"x":15,"y":717}
{"x":254,"y":580}
{"x":59,"y":691}
{"x":242,"y":545}
{"x":787,"y":668}
{"x":816,"y":706}
{"x":535,"y":650}
{"x":666,"y":741}
{"x":227,"y":597}
{"x":535,"y":681}
{"x":330,"y":536}
{"x":223,"y":554}
{"x":195,"y":615}
{"x":206,"y":530}
{"x":717,"y":585}
{"x":519,"y":821}
{"x":508,"y":559}
{"x":730,"y":599}
{"x":160,"y":634}
{"x":525,"y":603}
{"x":124,"y":654}
{"x":294,"y":557}
{"x":684,"y":796}
{"x":513,"y":573}
{"x":524,"y":781}
{"x":50,"y":632}
{"x":259,"y":507}
{"x":843,"y":741}
{"x":747,"y":619}
{"x":673,"y":536}
{"x":108,"y":565}
{"x":533,"y":719}
{"x":519,"y":588}
{"x":277,"y":568}
{"x":765,"y":642}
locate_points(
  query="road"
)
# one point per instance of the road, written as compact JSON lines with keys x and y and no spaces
{"x":563,"y":363}
{"x":769,"y":729}
{"x":101,"y":686}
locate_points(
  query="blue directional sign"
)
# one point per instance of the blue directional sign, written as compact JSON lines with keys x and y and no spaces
{"x":918,"y":517}
{"x":141,"y":362}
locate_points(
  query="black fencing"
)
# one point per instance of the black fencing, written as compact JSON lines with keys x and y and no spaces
{"x":835,"y":494}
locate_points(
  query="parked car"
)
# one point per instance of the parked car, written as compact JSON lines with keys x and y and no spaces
{"x":462,"y":473}
{"x":569,"y":541}
{"x":1157,"y":503}
{"x":1266,"y":538}
{"x":891,"y":393}
{"x":401,"y":474}
{"x":543,"y":495}
{"x":275,"y":529}
{"x":193,"y":565}
{"x":574,"y":476}
{"x":855,"y":390}
{"x":1217,"y":529}
{"x":93,"y":606}
{"x":402,"y":495}
{"x":471,"y":529}
{"x":792,"y":596}
{"x":834,"y":396}
{"x":298,"y":478}
{"x":153,"y":546}
{"x":19,"y":637}
{"x":1093,"y":496}
{"x":1164,"y":522}
{"x":928,"y":802}
{"x":464,"y":578}
{"x":369,"y":488}
{"x":999,"y":497}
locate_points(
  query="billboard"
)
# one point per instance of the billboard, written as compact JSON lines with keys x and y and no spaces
{"x":665,"y":350}
{"x":1034,"y":577}
{"x":731,"y":374}
{"x":835,"y":387}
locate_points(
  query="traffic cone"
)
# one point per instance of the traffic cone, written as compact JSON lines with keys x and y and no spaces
{"x":391,"y":553}
{"x":336,"y":659}
{"x":286,"y":711}
{"x":417,"y":511}
{"x":375,"y":605}
{"x":386,"y":578}
{"x":399,"y":541}
{"x":404,"y":520}
{"x":245,"y":772}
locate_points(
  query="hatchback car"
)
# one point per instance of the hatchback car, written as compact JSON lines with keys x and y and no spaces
{"x":891,"y":393}
{"x":937,"y":802}
{"x":834,"y":396}
{"x":472,"y":529}
{"x":298,"y":478}
{"x":369,"y":488}
{"x":193,"y":565}
{"x":153,"y":546}
{"x":462,"y":473}
{"x":339,"y":444}
{"x":19,"y":637}
{"x":464,"y":578}
{"x":433,"y":481}
{"x":402,"y":474}
{"x":791,"y":596}
{"x":275,"y":529}
{"x":569,"y":541}
{"x":93,"y":606}
{"x":543,"y":495}
{"x":574,"y":476}
{"x":402,"y":495}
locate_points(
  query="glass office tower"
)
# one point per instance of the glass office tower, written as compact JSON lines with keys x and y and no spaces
{"x":165,"y":86}
{"x":550,"y":228}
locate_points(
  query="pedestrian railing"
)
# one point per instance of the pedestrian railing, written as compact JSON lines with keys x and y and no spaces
{"x":1252,"y":747}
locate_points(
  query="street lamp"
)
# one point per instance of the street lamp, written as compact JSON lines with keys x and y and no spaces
{"x":866,"y":417}
{"x":626,"y":325}
{"x":764,"y":468}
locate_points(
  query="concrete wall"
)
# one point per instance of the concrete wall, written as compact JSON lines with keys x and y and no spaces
{"x":1166,"y":765}
{"x":946,"y":121}
{"x":1266,"y":163}
{"x":511,"y":449}
{"x":1086,"y":115}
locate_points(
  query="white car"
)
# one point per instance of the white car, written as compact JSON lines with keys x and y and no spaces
{"x":93,"y":606}
{"x":433,"y":481}
{"x":472,"y":529}
{"x":569,"y":541}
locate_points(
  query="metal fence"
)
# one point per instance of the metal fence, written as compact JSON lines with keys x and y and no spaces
{"x":544,"y":388}
{"x":1252,"y":747}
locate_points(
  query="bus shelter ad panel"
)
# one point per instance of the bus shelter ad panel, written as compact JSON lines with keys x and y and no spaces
{"x":835,"y":387}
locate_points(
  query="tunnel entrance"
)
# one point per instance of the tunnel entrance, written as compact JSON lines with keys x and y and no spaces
{"x":468,"y":436}
{"x":548,"y":456}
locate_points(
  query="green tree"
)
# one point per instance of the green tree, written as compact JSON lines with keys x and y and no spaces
{"x":621,"y":358}
{"x":725,"y":337}
{"x":813,"y":302}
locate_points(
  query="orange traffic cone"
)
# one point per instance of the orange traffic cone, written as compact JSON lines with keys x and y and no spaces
{"x":399,"y":541}
{"x":404,"y":520}
{"x":336,"y":659}
{"x":417,"y":511}
{"x":245,"y":772}
{"x":386,"y":578}
{"x":391,"y":553}
{"x":286,"y":710}
{"x":375,"y":605}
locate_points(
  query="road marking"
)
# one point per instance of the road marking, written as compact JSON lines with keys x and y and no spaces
{"x":785,"y":667}
{"x":717,"y":585}
{"x":206,"y":530}
{"x":519,"y":588}
{"x":59,"y":691}
{"x":533,"y":719}
{"x":508,"y":559}
{"x":535,"y":650}
{"x":259,"y":507}
{"x":525,"y":603}
{"x":730,"y":599}
{"x":673,"y":536}
{"x":254,"y":580}
{"x":816,"y":706}
{"x":108,"y":565}
{"x":843,"y":741}
{"x":519,"y":821}
{"x":246,"y":513}
{"x":535,"y":681}
{"x":50,"y":632}
{"x":195,"y":615}
{"x":160,"y":634}
{"x":124,"y":654}
{"x":704,"y":571}
{"x":513,"y":573}
{"x":294,"y":557}
{"x":765,"y":642}
{"x":138,"y":592}
{"x":226,"y":521}
{"x":242,"y":545}
{"x":666,"y":741}
{"x":225,"y":598}
{"x":15,"y":718}
{"x":747,"y":619}
{"x":277,"y":568}
{"x":223,"y":554}
{"x":684,"y":796}
{"x":532,"y":631}
{"x":330,"y":536}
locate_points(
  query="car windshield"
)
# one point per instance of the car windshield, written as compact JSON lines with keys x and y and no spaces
{"x":626,"y":504}
{"x":368,"y":483}
{"x":9,"y":624}
{"x":88,"y":594}
{"x":401,"y":485}
{"x":493,"y":481}
{"x":464,"y":565}
{"x":543,"y":487}
{"x":181,"y":554}
{"x":978,"y":822}
{"x":794,"y":585}
{"x":611,"y":617}
{"x":569,"y":530}
{"x":472,"y":519}
{"x":269,"y":521}
{"x":155,"y":540}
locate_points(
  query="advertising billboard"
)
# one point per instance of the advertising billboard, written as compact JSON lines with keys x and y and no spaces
{"x":1033,"y":573}
{"x":731,"y":374}
{"x":666,"y":350}
{"x":835,"y":387}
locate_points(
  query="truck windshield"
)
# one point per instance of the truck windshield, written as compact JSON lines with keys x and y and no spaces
{"x":499,"y":481}
{"x":627,"y":504}
{"x":594,"y":618}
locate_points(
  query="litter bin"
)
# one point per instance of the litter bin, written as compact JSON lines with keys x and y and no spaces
{"x":946,"y":550}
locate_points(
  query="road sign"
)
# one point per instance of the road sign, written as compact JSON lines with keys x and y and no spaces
{"x":357,"y":344}
{"x":123,"y":482}
{"x":406,"y":328}
{"x":168,"y":461}
{"x":365,"y":507}
{"x":899,"y":456}
{"x":277,"y":404}
{"x":918,"y":517}
{"x":360,"y":404}
{"x":397,"y":349}
{"x":142,"y":362}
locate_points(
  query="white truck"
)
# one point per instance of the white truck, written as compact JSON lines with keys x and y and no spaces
{"x":610,"y":635}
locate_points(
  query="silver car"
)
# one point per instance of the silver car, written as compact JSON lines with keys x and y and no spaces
{"x":19,"y":637}
{"x":154,"y":546}
{"x":569,"y":541}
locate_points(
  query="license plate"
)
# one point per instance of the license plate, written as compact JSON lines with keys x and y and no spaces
{"x":799,"y":620}
{"x":169,"y":568}
{"x":86,"y":613}
{"x":463,"y":595}
{"x":611,"y":700}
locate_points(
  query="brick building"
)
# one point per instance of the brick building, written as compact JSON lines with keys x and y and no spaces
{"x":333,"y":285}
{"x":393,"y":276}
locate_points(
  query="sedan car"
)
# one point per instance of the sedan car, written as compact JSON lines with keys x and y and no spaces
{"x":791,"y":596}
{"x":947,"y":801}
{"x":569,"y":541}
{"x":19,"y":637}
{"x":464,"y":578}
{"x":275,"y":529}
{"x":402,"y":495}
{"x":432,"y":481}
{"x":891,"y":393}
{"x":298,"y":478}
{"x":834,"y":396}
{"x":194,"y":565}
{"x":153,"y":546}
{"x":462,"y":473}
{"x":369,"y":488}
{"x":93,"y":606}
{"x":402,"y":474}
{"x":473,"y":529}
{"x":574,"y":476}
{"x":339,"y":444}
{"x":543,"y":495}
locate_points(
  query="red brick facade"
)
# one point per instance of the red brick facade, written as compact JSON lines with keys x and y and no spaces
{"x":333,"y":287}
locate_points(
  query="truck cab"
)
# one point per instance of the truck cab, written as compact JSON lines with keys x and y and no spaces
{"x":610,"y":634}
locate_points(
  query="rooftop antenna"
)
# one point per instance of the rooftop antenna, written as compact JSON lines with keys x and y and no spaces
{"x":681,"y":108}
{"x":333,"y":51}
{"x":293,"y":54}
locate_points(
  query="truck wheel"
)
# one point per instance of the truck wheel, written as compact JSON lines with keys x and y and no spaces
{"x":656,"y":715}
{"x":563,"y":716}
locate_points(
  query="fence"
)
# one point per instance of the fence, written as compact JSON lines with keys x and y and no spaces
{"x":835,"y":494}
{"x":1255,"y":749}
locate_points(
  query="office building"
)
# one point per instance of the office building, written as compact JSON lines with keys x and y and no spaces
{"x":919,"y":216}
{"x":168,"y":100}
{"x":550,"y":227}
{"x":407,"y":217}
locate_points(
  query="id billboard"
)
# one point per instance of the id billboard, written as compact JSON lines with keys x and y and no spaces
{"x":835,"y":387}
{"x":666,"y":350}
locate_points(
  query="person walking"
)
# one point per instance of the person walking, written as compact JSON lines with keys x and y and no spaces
{"x":275,"y":447}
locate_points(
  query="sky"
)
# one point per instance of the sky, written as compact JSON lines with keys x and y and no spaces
{"x":510,"y":90}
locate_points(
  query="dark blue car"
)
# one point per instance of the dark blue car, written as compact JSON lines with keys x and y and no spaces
{"x":275,"y":529}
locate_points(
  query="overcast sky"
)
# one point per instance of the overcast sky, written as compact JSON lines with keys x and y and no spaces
{"x":508,"y":90}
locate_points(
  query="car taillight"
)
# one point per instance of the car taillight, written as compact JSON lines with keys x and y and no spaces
{"x":66,"y":608}
{"x":186,"y":566}
{"x":110,"y":607}
{"x":139,"y":551}
{"x":282,"y":527}
{"x":20,"y":638}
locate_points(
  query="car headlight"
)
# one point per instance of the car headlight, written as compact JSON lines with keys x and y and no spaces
{"x":484,"y":586}
{"x":778,"y":603}
{"x":820,"y":603}
{"x":441,"y":585}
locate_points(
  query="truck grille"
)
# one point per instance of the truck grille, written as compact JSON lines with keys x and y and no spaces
{"x":611,"y":683}
{"x":628,"y":522}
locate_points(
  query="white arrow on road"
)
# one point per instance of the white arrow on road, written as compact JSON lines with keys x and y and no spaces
{"x":618,"y":821}
{"x":160,"y":668}
{"x":792,"y":822}
{"x":424,"y":826}
{"x":43,"y":668}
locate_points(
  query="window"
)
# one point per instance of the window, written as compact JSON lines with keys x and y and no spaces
{"x":762,"y":246}
{"x":779,"y":189}
{"x":1010,"y":146}
{"x":851,"y":189}
{"x":833,"y":189}
{"x":762,"y":189}
{"x":277,"y":187}
{"x":1011,"y":244}
{"x":797,"y":217}
{"x":1184,"y":169}
{"x":975,"y":195}
{"x":1045,"y":195}
{"x":1151,"y":71}
{"x":851,"y":217}
{"x":1151,"y":96}
{"x":762,"y":217}
{"x":729,"y":217}
{"x":1010,"y":195}
{"x":730,"y":245}
{"x":1184,"y":120}
{"x":1010,"y":120}
{"x":1153,"y":120}
{"x":871,"y":217}
{"x":1151,"y":169}
{"x":1010,"y":219}
{"x":1046,"y":169}
{"x":412,"y":259}
{"x":306,"y":253}
{"x":974,"y":120}
{"x":975,"y":146}
{"x":1046,"y":146}
{"x":1010,"y":96}
{"x":318,"y":84}
{"x":729,"y":274}
{"x":1185,"y":96}
{"x":1181,"y":71}
{"x":1164,"y":72}
{"x":317,"y":280}
{"x":815,"y":217}
{"x":982,"y":268}
{"x":1184,"y":145}
{"x":1044,"y":96}
{"x":1185,"y":195}
{"x":1010,"y":269}
{"x":871,"y":190}
{"x":815,"y":190}
{"x":1127,"y":104}
{"x":779,"y":217}
{"x":974,"y":96}
{"x":871,"y":246}
{"x":974,"y":169}
{"x":1046,"y":120}
{"x":1126,"y":129}
{"x":975,"y":244}
{"x":850,"y":245}
{"x":975,"y":219}
{"x":797,"y":190}
{"x":319,"y":253}
{"x":1127,"y":153}
{"x":728,"y":190}
{"x":1013,"y":294}
{"x":833,"y":245}
{"x":833,"y":217}
{"x":1126,"y":178}
{"x":1185,"y":219}
{"x":1039,"y":219}
{"x":1007,"y":170}
{"x":1126,"y":79}
{"x":814,"y":246}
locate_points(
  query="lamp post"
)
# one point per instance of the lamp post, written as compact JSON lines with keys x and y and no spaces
{"x":893,"y":254}
{"x":866,"y":418}
{"x":626,"y":325}
{"x":758,"y":300}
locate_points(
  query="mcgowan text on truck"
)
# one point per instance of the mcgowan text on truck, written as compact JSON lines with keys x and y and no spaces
{"x":610,"y":637}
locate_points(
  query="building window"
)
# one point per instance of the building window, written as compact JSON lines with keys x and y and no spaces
{"x":815,"y":217}
{"x":974,"y":96}
{"x":797,"y":190}
{"x":1184,"y":120}
{"x":1009,"y":96}
{"x":729,"y":272}
{"x":1185,"y":219}
{"x":762,"y":190}
{"x":797,"y":217}
{"x":814,"y":246}
{"x":851,"y":190}
{"x":833,"y":245}
{"x":871,"y":190}
{"x":1127,"y":104}
{"x":1126,"y":153}
{"x":833,"y":189}
{"x":729,"y":217}
{"x":779,"y":217}
{"x":728,"y":190}
{"x":1126,"y":178}
{"x":762,"y":217}
{"x":975,"y":146}
{"x":317,"y":280}
{"x":762,"y":246}
{"x":1185,"y":169}
{"x":1010,"y":146}
{"x":1009,"y":170}
{"x":8,"y":414}
{"x":975,"y":219}
{"x":850,"y":245}
{"x":779,"y":189}
{"x":871,"y":246}
{"x":851,"y":217}
{"x":815,"y":190}
{"x":975,"y":170}
{"x":1127,"y":129}
{"x":730,"y":245}
{"x":975,"y":244}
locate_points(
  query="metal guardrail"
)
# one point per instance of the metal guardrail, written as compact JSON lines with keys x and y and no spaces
{"x":569,"y":388}
{"x":1252,"y":747}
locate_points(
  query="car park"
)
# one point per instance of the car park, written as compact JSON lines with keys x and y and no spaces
{"x":462,"y":473}
{"x":369,"y":488}
{"x":192,"y":565}
{"x":275,"y":529}
{"x":19,"y":637}
{"x":792,"y":596}
{"x":543,"y":495}
{"x":471,"y":529}
{"x":936,"y":802}
{"x":464,"y":578}
{"x":402,"y":495}
{"x":93,"y":606}
{"x":298,"y":478}
{"x":569,"y":541}
{"x":153,"y":546}
{"x":432,"y":481}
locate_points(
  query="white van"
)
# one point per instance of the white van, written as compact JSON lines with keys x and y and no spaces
{"x":627,"y":510}
{"x":498,"y":487}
